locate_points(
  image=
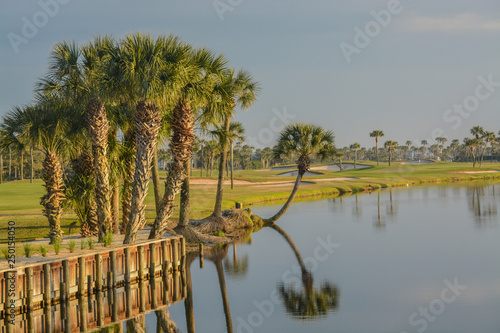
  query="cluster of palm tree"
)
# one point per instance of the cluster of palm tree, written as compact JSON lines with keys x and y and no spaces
{"x":101,"y":110}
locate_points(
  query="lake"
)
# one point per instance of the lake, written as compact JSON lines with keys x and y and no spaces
{"x":418,"y":259}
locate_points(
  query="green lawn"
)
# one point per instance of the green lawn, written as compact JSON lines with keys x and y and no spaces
{"x":20,"y":200}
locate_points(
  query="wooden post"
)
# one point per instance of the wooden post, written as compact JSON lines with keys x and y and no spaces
{"x":142,"y":296}
{"x":67,"y":322}
{"x":109,"y":280}
{"x":238,"y":205}
{"x":175,"y":292}
{"x":152,"y":260}
{"x":48,"y":317}
{"x":83,"y":313}
{"x":127,"y":265}
{"x":175,"y":257}
{"x":10,"y":300}
{"x":81,"y":277}
{"x":114,"y":307}
{"x":98,"y":271}
{"x":201,"y":256}
{"x":165,"y":261}
{"x":65,"y":264}
{"x":154,"y":301}
{"x":100,"y":308}
{"x":29,"y":319}
{"x":89,"y":285}
{"x":140,"y":251}
{"x":29,"y":285}
{"x":46,"y":286}
{"x":114,"y":268}
{"x":128,"y":301}
{"x":183,"y":253}
{"x":62,"y":292}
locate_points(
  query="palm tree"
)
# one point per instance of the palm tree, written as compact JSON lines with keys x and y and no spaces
{"x":424,"y":143}
{"x":355,"y":146}
{"x":390,"y":146}
{"x":489,"y":138}
{"x":205,"y":70}
{"x":472,"y":146}
{"x":235,"y":132}
{"x":305,"y":140}
{"x":408,"y":144}
{"x":377,"y":134}
{"x":43,"y":126}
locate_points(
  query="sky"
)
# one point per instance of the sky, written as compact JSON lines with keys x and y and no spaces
{"x":415,"y":69}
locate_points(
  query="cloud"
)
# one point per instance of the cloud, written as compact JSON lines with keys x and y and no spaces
{"x":462,"y":22}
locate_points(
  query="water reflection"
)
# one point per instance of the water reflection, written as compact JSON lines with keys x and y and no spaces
{"x":309,"y":302}
{"x":483,"y":204}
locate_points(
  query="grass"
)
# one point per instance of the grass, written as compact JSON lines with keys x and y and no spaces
{"x":83,"y":244}
{"x":108,"y":239}
{"x":5,"y":252}
{"x":57,"y":247}
{"x":20,"y":200}
{"x":90,"y":243}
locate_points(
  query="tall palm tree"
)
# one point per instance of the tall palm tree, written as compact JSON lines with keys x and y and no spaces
{"x":236,"y":89}
{"x":390,"y":146}
{"x":408,"y":144}
{"x":376,"y":134}
{"x":203,"y":72}
{"x":305,"y":140}
{"x":235,"y":132}
{"x":355,"y":146}
{"x":488,"y":138}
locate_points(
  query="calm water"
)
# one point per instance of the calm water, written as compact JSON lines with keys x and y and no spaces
{"x":423,"y":259}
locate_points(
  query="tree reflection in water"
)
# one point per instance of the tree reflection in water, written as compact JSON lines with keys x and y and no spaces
{"x":310,"y":302}
{"x":483,"y":204}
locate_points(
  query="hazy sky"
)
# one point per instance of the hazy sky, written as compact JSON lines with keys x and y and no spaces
{"x":409,"y":68}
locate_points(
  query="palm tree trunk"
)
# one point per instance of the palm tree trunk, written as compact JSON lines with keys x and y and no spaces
{"x":376,"y":141}
{"x":355,"y":158}
{"x":1,"y":167}
{"x":156,"y":179}
{"x":184,"y":203}
{"x":188,"y":302}
{"x":292,"y":245}
{"x":128,"y":179}
{"x":390,"y":155}
{"x":147,"y":125}
{"x":116,"y":206}
{"x":98,"y":128}
{"x":10,"y":164}
{"x":288,"y":202}
{"x":52,"y":201}
{"x":232,"y":163}
{"x":31,"y":166}
{"x":21,"y":166}
{"x":222,"y":163}
{"x":181,"y":146}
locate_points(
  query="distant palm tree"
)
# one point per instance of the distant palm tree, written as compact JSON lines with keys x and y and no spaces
{"x":304,"y":140}
{"x":377,"y":134}
{"x":408,"y":144}
{"x":390,"y":146}
{"x":235,"y":132}
{"x":355,"y":146}
{"x":424,"y":143}
{"x":489,"y":138}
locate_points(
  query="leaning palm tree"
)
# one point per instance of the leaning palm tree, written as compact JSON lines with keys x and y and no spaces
{"x":390,"y":146}
{"x":355,"y":146}
{"x":377,"y":134}
{"x":305,"y":140}
{"x":235,"y":132}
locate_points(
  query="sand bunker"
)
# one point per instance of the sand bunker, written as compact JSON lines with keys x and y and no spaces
{"x":473,"y":172}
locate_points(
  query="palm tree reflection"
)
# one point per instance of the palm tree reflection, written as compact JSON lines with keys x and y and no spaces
{"x":310,"y":302}
{"x":482,"y":205}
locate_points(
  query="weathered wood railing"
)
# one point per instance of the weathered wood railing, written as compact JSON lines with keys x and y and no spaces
{"x":28,"y":292}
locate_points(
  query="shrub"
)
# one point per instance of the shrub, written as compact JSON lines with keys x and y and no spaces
{"x":72,"y":246}
{"x":43,"y":250}
{"x":108,"y":239}
{"x":5,"y":252}
{"x":83,"y":244}
{"x":28,"y":249}
{"x":90,"y":243}
{"x":57,"y":247}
